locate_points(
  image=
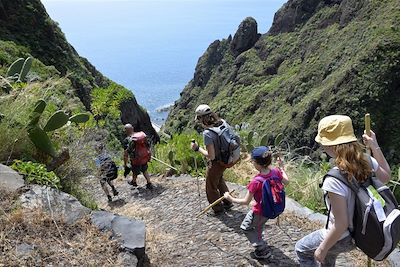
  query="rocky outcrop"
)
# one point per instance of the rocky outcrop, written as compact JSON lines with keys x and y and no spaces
{"x":130,"y":233}
{"x":10,"y":180}
{"x":54,"y":202}
{"x":245,"y":37}
{"x":293,"y":14}
{"x":320,"y":57}
{"x":133,"y":113}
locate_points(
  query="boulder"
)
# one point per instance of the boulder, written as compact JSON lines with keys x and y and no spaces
{"x":245,"y":37}
{"x":10,"y":180}
{"x":129,"y":232}
{"x":53,"y":201}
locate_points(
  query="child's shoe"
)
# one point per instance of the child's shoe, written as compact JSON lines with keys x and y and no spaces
{"x":115,"y":192}
{"x":262,"y":254}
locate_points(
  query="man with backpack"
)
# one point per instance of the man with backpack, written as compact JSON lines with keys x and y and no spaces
{"x":137,"y":150}
{"x":222,"y":151}
{"x":107,"y":171}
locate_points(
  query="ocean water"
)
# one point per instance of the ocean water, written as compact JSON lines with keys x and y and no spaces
{"x":152,"y":46}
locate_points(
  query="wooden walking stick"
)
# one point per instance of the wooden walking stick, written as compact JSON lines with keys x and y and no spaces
{"x":367,"y":121}
{"x":213,"y":204}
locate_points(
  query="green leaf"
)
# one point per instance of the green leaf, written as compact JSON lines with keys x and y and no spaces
{"x":264,"y":140}
{"x":40,"y":106}
{"x":80,"y":118}
{"x":25,"y":69}
{"x":250,"y":138}
{"x":57,"y":120}
{"x":15,"y":67}
{"x":42,"y":142}
{"x":278,"y":139}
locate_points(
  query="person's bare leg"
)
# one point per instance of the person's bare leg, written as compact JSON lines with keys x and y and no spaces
{"x":147,"y":176}
{"x":105,"y":189}
{"x":134,"y":178}
{"x":115,"y":192}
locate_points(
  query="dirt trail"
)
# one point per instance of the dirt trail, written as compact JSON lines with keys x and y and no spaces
{"x":175,"y":237}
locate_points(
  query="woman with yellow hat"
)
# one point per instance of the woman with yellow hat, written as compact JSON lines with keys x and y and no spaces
{"x":336,"y":136}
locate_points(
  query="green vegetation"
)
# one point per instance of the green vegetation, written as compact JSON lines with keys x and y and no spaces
{"x":36,"y":173}
{"x":106,"y":102}
{"x":334,"y":59}
{"x":39,"y":136}
{"x":177,"y":153}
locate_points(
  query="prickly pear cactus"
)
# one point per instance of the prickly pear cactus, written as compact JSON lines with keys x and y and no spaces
{"x":40,"y":139}
{"x":264,"y":140}
{"x":278,"y":139}
{"x":80,"y":118}
{"x":56,"y":121}
{"x":15,"y":69}
{"x":39,"y":136}
{"x":25,"y":69}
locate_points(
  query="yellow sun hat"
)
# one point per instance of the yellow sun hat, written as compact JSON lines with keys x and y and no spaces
{"x":335,"y":130}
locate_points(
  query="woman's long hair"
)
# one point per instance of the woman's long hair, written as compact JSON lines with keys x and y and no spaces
{"x":350,"y":158}
{"x":210,"y":120}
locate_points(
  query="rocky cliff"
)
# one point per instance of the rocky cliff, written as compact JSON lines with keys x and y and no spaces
{"x":27,"y":24}
{"x":320,"y":57}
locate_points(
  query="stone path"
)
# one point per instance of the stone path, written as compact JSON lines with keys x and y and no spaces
{"x":175,"y":237}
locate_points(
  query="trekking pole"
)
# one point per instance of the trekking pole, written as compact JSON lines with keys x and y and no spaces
{"x":367,"y":121}
{"x":197,"y":176}
{"x":368,"y":129}
{"x":213,"y":204}
{"x":166,"y":164}
{"x":198,"y":182}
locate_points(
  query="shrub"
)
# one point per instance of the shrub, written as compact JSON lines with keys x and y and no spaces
{"x":36,"y":173}
{"x":177,"y":153}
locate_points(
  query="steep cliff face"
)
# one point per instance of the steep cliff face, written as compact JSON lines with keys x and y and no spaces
{"x":26,"y":23}
{"x":320,"y":57}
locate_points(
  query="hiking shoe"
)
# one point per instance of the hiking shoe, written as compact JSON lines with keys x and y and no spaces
{"x":133,"y":183}
{"x":115,"y":192}
{"x":109,"y":198}
{"x":228,"y":206}
{"x":263,"y":254}
{"x":149,"y":186}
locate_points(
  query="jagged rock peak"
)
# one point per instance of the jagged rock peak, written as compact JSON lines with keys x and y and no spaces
{"x":245,"y":37}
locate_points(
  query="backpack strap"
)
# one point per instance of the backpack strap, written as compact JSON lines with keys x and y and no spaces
{"x":337,"y":174}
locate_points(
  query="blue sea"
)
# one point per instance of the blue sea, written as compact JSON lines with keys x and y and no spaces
{"x":152,"y":46}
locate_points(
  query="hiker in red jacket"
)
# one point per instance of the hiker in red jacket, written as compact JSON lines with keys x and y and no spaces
{"x":137,"y":149}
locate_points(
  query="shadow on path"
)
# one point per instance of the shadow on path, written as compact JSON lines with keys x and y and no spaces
{"x":233,"y":219}
{"x":148,"y":194}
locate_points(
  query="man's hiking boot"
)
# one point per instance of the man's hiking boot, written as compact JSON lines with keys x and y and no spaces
{"x":149,"y":186}
{"x":133,"y":183}
{"x":263,"y":254}
{"x":228,"y":206}
{"x":109,"y":198}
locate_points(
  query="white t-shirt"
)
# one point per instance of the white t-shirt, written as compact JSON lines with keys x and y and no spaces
{"x":335,"y":186}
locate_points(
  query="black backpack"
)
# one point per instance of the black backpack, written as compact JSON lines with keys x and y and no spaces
{"x":377,"y":239}
{"x":108,"y":168}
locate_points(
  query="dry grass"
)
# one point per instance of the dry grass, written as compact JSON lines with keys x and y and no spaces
{"x":156,"y":248}
{"x":80,"y":244}
{"x":134,"y":211}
